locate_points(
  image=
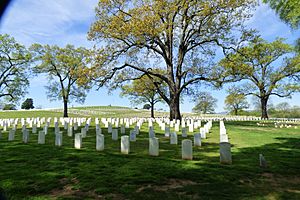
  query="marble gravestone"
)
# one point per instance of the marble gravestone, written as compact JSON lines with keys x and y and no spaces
{"x":187,"y":149}
{"x":78,"y":141}
{"x":41,"y":137}
{"x":225,"y":153}
{"x":99,"y":142}
{"x":125,"y":144}
{"x":153,"y":146}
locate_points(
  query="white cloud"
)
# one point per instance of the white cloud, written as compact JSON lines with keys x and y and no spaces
{"x":267,"y":22}
{"x":44,"y":21}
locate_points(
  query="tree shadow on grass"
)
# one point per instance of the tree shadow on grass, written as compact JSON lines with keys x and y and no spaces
{"x":45,"y":171}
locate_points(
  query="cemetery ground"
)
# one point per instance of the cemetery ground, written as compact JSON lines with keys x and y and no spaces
{"x":45,"y":171}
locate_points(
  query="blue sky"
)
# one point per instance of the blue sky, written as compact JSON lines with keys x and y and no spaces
{"x":64,"y":22}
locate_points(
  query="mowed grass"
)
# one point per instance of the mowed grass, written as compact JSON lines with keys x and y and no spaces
{"x":32,"y":171}
{"x":33,"y":113}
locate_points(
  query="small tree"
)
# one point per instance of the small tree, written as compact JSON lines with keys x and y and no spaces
{"x":283,"y":107}
{"x":9,"y":106}
{"x":255,"y":65}
{"x":27,"y":104}
{"x":143,"y":91}
{"x":14,"y":68}
{"x":235,"y":102}
{"x":64,"y":68}
{"x":205,"y":103}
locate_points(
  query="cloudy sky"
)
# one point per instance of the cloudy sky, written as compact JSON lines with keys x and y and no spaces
{"x":64,"y":22}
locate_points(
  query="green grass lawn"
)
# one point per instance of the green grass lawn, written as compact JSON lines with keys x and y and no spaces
{"x":32,"y":171}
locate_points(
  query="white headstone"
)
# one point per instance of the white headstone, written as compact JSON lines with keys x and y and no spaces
{"x":58,"y":139}
{"x":203,"y":133}
{"x":99,"y":142}
{"x":225,"y":153}
{"x":83,"y":132}
{"x":41,"y":137}
{"x":125,"y":145}
{"x":45,"y":130}
{"x":153,"y":146}
{"x":191,"y":128}
{"x":114,"y":135}
{"x":11,"y":135}
{"x":75,"y":126}
{"x":167,"y":132}
{"x":123,"y":129}
{"x":151,"y":133}
{"x":132,"y":136}
{"x":187,"y":149}
{"x":224,"y":138}
{"x":183,"y":130}
{"x":177,"y":125}
{"x":70,"y":131}
{"x":173,"y":138}
{"x":109,"y":128}
{"x":25,"y":136}
{"x":78,"y":141}
{"x":34,"y":129}
{"x":197,"y":140}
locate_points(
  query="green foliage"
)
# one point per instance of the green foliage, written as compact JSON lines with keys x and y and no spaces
{"x":288,"y":10}
{"x":27,"y":104}
{"x":65,"y":68}
{"x":9,"y":106}
{"x":177,"y":37}
{"x":147,"y":106}
{"x":235,"y":102}
{"x":142,"y":90}
{"x":205,"y":103}
{"x":15,"y":69}
{"x":257,"y":65}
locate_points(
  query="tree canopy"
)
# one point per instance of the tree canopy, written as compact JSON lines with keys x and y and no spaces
{"x":235,"y":101}
{"x":178,"y":37}
{"x":64,"y":67}
{"x":143,"y":90}
{"x":258,"y":65}
{"x":15,"y":69}
{"x":205,"y":103}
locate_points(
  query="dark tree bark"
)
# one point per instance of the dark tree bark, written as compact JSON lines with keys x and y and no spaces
{"x":65,"y":108}
{"x":175,"y":107}
{"x":152,"y":110}
{"x":264,"y":109}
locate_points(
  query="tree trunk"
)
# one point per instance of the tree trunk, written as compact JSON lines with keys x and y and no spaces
{"x":235,"y":111}
{"x":175,"y":108}
{"x":264,"y":111}
{"x":65,"y":108}
{"x":152,"y":109}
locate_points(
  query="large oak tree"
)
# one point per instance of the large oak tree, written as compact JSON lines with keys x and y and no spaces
{"x":267,"y":69}
{"x":179,"y":37}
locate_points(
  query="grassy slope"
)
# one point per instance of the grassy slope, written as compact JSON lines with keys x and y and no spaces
{"x":35,"y":171}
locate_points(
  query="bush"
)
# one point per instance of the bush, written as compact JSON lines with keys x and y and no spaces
{"x":147,"y":106}
{"x":27,"y":104}
{"x":9,"y":107}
